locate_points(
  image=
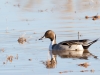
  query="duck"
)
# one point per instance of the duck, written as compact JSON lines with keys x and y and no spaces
{"x":67,"y":45}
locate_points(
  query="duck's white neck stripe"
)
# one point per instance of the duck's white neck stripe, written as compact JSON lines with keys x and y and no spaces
{"x":52,"y":43}
{"x":50,"y":49}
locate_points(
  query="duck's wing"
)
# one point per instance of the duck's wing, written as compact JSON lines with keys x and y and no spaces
{"x":71,"y":42}
{"x":86,"y":43}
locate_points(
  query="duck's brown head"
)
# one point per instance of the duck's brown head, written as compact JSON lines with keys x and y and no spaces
{"x":49,"y":34}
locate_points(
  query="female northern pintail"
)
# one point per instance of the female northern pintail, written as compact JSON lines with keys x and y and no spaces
{"x":79,"y":45}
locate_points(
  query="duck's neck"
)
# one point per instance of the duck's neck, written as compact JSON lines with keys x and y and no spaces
{"x":54,"y":40}
{"x":52,"y":43}
{"x":50,"y":49}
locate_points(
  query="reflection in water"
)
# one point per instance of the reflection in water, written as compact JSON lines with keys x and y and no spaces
{"x":88,"y":5}
{"x":69,"y":5}
{"x":68,"y":54}
{"x":74,"y":54}
{"x":50,"y":63}
{"x":62,"y":6}
{"x":31,"y":3}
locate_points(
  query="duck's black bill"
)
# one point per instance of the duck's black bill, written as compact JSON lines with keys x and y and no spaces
{"x":41,"y":38}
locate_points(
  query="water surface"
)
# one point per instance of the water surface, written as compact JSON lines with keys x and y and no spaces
{"x":30,"y":19}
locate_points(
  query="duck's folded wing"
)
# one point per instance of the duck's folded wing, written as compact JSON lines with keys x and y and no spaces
{"x":70,"y":42}
{"x":86,"y":43}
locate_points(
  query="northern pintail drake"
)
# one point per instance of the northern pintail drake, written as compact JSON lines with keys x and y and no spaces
{"x":79,"y":45}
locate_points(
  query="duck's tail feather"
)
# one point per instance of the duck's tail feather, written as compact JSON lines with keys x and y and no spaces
{"x":89,"y":44}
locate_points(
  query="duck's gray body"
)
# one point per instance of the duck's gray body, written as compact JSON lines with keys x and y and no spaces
{"x":86,"y":43}
{"x":70,"y":45}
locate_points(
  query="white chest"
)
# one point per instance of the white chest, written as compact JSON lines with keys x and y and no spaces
{"x":50,"y":46}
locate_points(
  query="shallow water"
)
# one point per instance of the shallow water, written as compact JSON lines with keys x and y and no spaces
{"x":30,"y":19}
